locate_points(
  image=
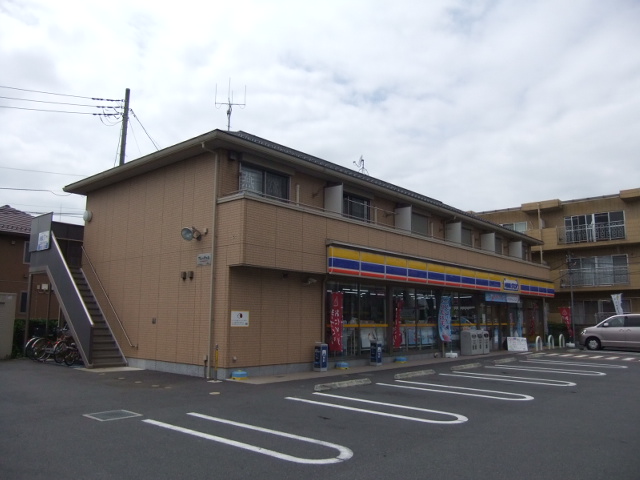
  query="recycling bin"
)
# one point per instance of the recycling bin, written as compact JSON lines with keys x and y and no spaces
{"x":486,"y":342}
{"x":376,"y":353}
{"x":320,"y":357}
{"x":466,"y":342}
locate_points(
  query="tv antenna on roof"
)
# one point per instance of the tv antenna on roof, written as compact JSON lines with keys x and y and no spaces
{"x":360,"y":165}
{"x":229,"y":103}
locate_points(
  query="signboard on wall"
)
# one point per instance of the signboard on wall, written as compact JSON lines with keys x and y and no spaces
{"x":239,"y":318}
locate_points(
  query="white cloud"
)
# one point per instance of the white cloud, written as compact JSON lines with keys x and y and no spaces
{"x":482,"y":105}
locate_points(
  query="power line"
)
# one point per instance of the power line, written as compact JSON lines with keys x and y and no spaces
{"x":56,"y":103}
{"x":43,"y":171}
{"x":144,"y":129}
{"x":60,"y":94}
{"x":36,"y":190}
{"x":63,"y":111}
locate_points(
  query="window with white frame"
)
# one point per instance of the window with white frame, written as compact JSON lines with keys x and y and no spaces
{"x":595,"y":227}
{"x":516,"y":226}
{"x":600,"y":271}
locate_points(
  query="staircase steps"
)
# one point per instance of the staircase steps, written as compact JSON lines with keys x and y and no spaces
{"x":104,"y":348}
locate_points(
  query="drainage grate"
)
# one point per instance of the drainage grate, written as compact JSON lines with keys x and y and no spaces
{"x":112,"y":415}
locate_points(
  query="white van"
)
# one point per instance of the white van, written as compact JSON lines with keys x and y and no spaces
{"x":619,"y":331}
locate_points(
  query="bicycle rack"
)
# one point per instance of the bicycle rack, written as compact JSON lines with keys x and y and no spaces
{"x":539,"y":342}
{"x":550,"y":342}
{"x":561,"y":342}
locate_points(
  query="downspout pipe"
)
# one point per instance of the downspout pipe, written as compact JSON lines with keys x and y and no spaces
{"x":210,"y":352}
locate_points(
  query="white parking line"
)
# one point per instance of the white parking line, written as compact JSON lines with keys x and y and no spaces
{"x":345,"y":453}
{"x":559,"y":362}
{"x":458,"y":418}
{"x":508,"y":378}
{"x":448,"y":388}
{"x":552,"y":370}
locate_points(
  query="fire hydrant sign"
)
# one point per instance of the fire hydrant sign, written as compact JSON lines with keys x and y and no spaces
{"x":239,"y":318}
{"x":517,"y":344}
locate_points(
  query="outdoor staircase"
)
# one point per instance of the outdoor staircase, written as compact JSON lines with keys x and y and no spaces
{"x":104,"y":348}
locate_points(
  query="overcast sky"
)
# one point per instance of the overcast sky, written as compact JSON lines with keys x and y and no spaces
{"x":482,"y":104}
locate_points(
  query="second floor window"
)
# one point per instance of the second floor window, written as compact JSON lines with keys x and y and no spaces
{"x":264,"y":182}
{"x":356,"y":207}
{"x":517,"y":226}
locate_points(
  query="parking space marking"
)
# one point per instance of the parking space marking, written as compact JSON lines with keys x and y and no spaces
{"x":345,"y":453}
{"x":452,"y":390}
{"x":508,"y":378}
{"x":457,"y":417}
{"x":561,"y":362}
{"x":588,"y":373}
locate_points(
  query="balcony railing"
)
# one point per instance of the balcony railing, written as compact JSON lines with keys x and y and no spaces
{"x":594,"y":277}
{"x":598,"y":232}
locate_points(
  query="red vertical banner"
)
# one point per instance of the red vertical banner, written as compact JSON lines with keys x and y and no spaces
{"x":335,"y":342}
{"x":565,"y":314}
{"x":397,"y":334}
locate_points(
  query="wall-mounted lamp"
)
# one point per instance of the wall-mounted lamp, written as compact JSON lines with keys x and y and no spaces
{"x":87,"y":216}
{"x":183,"y":275}
{"x":190,"y":274}
{"x":310,"y":281}
{"x":189,"y":233}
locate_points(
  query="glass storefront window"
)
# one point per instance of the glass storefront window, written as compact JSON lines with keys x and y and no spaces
{"x":364,"y":310}
{"x":418,"y":317}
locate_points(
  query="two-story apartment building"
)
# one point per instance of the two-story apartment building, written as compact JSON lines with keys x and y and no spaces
{"x":592,"y":246}
{"x":228,"y":251}
{"x":32,"y":296}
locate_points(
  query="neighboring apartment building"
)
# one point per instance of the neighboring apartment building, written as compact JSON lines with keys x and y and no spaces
{"x":592,"y":246}
{"x":228,"y":251}
{"x":15,"y":228}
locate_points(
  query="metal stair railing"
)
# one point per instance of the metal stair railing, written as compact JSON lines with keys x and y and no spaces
{"x":80,"y":323}
{"x":106,"y":296}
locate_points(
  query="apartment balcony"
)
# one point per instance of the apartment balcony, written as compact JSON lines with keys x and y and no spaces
{"x":600,"y":277}
{"x":587,"y":236}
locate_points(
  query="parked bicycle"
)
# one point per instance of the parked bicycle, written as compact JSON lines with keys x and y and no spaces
{"x":41,"y":348}
{"x":67,"y":353}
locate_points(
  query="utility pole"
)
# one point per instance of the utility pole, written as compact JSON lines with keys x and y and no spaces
{"x":573,"y":325}
{"x":125,"y":122}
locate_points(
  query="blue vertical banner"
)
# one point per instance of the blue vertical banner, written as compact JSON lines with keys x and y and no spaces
{"x":444,"y":319}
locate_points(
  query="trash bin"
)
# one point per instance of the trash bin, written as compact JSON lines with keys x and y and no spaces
{"x":320,"y":357}
{"x":486,"y":342}
{"x":376,"y":353}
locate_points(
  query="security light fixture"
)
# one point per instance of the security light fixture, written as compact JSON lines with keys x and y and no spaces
{"x":189,"y":233}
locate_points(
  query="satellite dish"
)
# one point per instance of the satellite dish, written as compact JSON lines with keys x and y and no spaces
{"x":189,"y":233}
